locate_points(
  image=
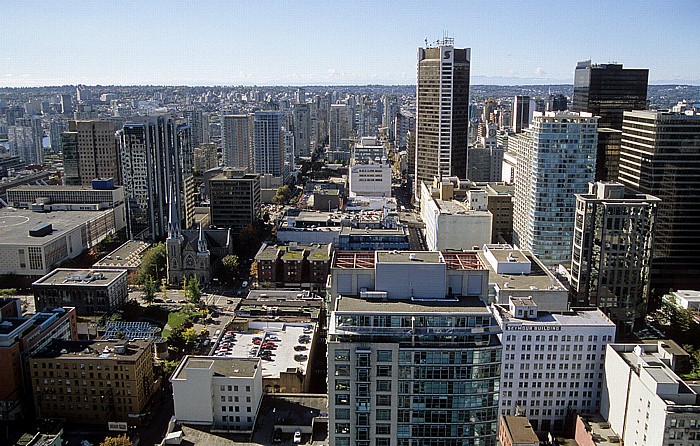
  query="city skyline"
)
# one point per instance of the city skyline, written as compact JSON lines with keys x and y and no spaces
{"x":332,"y":43}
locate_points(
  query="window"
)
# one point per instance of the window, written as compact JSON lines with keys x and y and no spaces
{"x":383,"y":429}
{"x":384,"y":386}
{"x":342,"y":399}
{"x":384,"y":370}
{"x":383,"y":400}
{"x":342,"y":414}
{"x":342,"y":355}
{"x":342,"y":370}
{"x":342,"y":428}
{"x":383,"y":414}
{"x":342,"y":384}
{"x":384,"y":355}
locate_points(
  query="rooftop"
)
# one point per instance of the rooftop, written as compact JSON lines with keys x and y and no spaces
{"x":462,"y":260}
{"x":127,"y":255}
{"x":16,"y":223}
{"x":438,"y":306}
{"x":220,"y":366}
{"x":77,"y":277}
{"x":538,"y":279}
{"x":520,"y":429}
{"x":576,"y":317}
{"x":409,"y":256}
{"x":95,"y":349}
{"x":353,"y":260}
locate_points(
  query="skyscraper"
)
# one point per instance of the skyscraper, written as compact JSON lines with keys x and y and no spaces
{"x":96,"y":155}
{"x":302,"y":129}
{"x":555,"y":160}
{"x":613,"y":241}
{"x":660,"y":155}
{"x":155,"y":155}
{"x":237,"y":141}
{"x":442,"y":112}
{"x":268,"y":143}
{"x":522,"y":112}
{"x":339,"y":128}
{"x":607,"y":90}
{"x":195,"y":119}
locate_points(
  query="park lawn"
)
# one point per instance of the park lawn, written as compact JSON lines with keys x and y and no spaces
{"x":175,"y":320}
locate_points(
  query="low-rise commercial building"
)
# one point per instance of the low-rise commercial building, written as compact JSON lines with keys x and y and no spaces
{"x":91,"y":292}
{"x":94,"y":382}
{"x":294,"y":263}
{"x":516,"y":431}
{"x":20,"y":338}
{"x":33,"y":243}
{"x":222,"y":392}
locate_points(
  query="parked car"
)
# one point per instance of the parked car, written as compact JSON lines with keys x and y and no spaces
{"x":297,"y":436}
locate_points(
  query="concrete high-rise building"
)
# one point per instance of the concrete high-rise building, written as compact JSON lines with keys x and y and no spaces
{"x":522,"y":112}
{"x":21,"y":140}
{"x":339,"y":129}
{"x":235,"y":199}
{"x":413,"y":353}
{"x":66,"y":105}
{"x":608,"y":90}
{"x":268,"y":143}
{"x":660,"y":156}
{"x":608,"y":158}
{"x":205,"y":158}
{"x":56,"y":127}
{"x":83,"y":93}
{"x":442,"y":112}
{"x":195,"y":119}
{"x":555,"y":160}
{"x":95,"y":155}
{"x":552,"y":361}
{"x":155,"y":155}
{"x":237,"y":141}
{"x":301,"y":120}
{"x":613,"y":241}
{"x":557,"y":102}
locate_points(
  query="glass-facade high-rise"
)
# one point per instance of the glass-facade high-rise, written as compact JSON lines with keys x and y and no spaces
{"x":555,"y":160}
{"x":409,"y":370}
{"x":660,"y":155}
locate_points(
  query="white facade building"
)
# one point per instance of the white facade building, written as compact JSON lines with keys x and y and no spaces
{"x":644,"y":400}
{"x":451,"y":224}
{"x":370,"y":179}
{"x":221,"y":392}
{"x":552,"y":362}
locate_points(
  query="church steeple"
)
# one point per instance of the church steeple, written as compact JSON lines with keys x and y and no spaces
{"x":174,"y":229}
{"x":202,"y":242}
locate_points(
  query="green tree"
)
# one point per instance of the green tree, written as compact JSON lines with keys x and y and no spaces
{"x":121,"y":440}
{"x":154,"y":263}
{"x":230,"y":264}
{"x":282,"y":195}
{"x":8,"y":292}
{"x":149,"y":290}
{"x":164,"y":288}
{"x":194,"y":292}
{"x":189,"y":336}
{"x":169,"y":367}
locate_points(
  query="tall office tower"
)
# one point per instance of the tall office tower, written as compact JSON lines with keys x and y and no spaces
{"x":555,"y":160}
{"x":300,"y":96}
{"x":288,"y":154}
{"x":56,"y":127}
{"x":613,"y":241}
{"x":403,"y":123}
{"x":339,"y":130}
{"x":155,"y":155}
{"x":195,"y":119}
{"x":486,"y":158}
{"x":301,"y":118}
{"x":71,"y":167}
{"x":489,"y":108}
{"x":391,"y":109}
{"x":442,"y":112}
{"x":26,"y":139}
{"x":268,"y":143}
{"x":660,"y":155}
{"x":522,"y":113}
{"x":557,"y":102}
{"x":413,"y":353}
{"x":237,"y":141}
{"x":205,"y":158}
{"x":83,"y":93}
{"x":66,"y":105}
{"x":608,"y":90}
{"x":96,"y":154}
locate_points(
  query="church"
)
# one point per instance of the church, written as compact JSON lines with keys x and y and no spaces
{"x":191,"y":252}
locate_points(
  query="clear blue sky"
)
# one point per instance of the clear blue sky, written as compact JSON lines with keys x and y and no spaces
{"x":297,"y":42}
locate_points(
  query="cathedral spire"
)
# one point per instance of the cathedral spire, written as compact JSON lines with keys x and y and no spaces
{"x":173,"y":216}
{"x":202,"y":242}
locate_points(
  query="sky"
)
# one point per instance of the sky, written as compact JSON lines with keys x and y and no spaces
{"x":334,"y":42}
